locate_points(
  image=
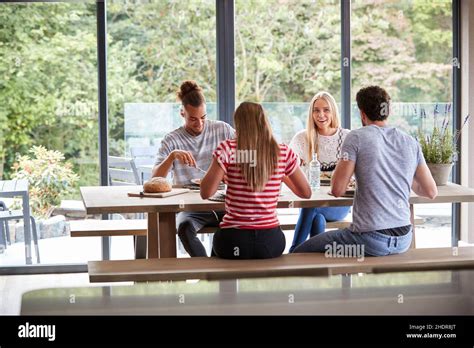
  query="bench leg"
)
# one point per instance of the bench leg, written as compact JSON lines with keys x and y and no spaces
{"x":412,"y":219}
{"x":346,"y":281}
{"x":152,"y":236}
{"x":167,"y":234}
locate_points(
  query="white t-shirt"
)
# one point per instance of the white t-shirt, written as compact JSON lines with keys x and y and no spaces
{"x":329,"y":148}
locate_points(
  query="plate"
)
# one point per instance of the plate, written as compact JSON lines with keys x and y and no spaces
{"x":219,"y":196}
{"x":192,"y":187}
{"x":196,"y":181}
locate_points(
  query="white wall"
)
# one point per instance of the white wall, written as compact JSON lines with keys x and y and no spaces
{"x":467,"y":107}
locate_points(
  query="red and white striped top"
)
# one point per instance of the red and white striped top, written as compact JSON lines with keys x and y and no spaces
{"x":244,"y":208}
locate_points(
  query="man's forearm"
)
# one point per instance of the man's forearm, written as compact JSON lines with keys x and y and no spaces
{"x":164,"y":167}
{"x":416,"y":187}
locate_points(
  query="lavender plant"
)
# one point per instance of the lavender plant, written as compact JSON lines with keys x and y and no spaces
{"x":439,"y":146}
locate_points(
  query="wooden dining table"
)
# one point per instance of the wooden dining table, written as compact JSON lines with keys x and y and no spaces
{"x":161,"y":212}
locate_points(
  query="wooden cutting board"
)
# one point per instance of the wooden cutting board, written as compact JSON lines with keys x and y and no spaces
{"x":173,"y":192}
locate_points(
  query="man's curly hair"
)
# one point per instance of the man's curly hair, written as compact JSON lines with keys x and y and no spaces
{"x":374,"y":101}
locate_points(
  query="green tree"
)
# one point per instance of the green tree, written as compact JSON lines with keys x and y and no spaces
{"x":286,"y":50}
{"x":48,"y":95}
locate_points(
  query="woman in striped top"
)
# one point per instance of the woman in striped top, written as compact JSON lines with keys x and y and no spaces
{"x":253,"y":165}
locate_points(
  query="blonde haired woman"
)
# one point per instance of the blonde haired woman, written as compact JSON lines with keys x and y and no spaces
{"x":323,"y":136}
{"x":253,"y":165}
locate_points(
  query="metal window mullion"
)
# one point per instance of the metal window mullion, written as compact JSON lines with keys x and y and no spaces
{"x":346,"y":63}
{"x":457,"y":117}
{"x":103,"y":108}
{"x":225,"y":59}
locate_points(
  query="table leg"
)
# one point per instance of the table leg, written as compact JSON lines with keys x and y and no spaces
{"x":167,"y":233}
{"x":152,"y":237}
{"x":27,"y":228}
{"x":412,"y":219}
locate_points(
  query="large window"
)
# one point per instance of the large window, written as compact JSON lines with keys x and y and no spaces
{"x":286,"y":52}
{"x":153,"y":47}
{"x":48,"y":97}
{"x":406,"y":47}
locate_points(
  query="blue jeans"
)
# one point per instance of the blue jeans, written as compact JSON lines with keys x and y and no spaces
{"x":312,"y":221}
{"x":374,"y":243}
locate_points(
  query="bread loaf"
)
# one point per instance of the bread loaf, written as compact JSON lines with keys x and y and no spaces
{"x":157,"y":185}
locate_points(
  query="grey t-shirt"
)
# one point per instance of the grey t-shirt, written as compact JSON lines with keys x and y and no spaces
{"x":385,"y":163}
{"x":200,"y":146}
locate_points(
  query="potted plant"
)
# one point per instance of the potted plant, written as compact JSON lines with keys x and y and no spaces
{"x":48,"y":176}
{"x":439,"y":147}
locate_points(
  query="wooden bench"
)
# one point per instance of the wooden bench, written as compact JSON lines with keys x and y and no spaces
{"x":138,"y":227}
{"x":311,"y":264}
{"x":103,"y":228}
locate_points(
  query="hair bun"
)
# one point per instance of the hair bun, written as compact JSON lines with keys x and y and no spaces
{"x":187,"y":87}
{"x":190,"y":93}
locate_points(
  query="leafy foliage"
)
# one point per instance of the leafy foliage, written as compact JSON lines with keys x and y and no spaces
{"x":286,"y":50}
{"x":437,"y":148}
{"x":50,"y":179}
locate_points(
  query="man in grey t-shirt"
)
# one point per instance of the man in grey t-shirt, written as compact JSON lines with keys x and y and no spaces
{"x":387,"y":163}
{"x":186,"y":149}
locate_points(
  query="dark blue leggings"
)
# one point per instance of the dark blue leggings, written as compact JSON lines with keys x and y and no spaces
{"x":234,"y":243}
{"x":312,"y":221}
